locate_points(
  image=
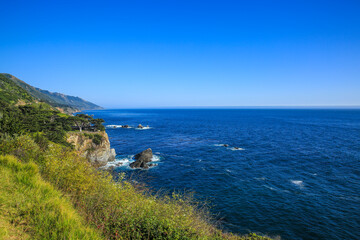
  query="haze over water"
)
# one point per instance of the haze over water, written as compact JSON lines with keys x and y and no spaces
{"x":296,"y":173}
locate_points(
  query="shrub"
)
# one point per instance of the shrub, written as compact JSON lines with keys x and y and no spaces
{"x":97,"y":139}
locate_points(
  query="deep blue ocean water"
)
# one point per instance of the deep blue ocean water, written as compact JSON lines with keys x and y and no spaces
{"x":297,"y":174}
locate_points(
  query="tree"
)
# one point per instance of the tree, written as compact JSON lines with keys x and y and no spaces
{"x":81,"y":121}
{"x":97,"y":123}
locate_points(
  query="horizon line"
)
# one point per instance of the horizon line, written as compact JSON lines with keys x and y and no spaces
{"x":241,"y":107}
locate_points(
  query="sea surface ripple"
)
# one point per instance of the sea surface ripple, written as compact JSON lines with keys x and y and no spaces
{"x":292,"y":173}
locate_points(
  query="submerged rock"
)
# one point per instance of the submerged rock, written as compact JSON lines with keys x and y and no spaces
{"x":140,"y":126}
{"x":125,"y":126}
{"x":112,"y":167}
{"x":142,"y":159}
{"x":225,"y":145}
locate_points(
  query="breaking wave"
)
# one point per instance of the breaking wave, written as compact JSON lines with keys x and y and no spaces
{"x":113,"y":126}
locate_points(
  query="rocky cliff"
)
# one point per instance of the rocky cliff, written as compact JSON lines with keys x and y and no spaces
{"x":95,"y":146}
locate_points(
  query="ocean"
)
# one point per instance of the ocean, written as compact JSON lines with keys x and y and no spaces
{"x":293,"y":173}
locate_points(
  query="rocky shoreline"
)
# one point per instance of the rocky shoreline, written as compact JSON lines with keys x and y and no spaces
{"x":100,"y":154}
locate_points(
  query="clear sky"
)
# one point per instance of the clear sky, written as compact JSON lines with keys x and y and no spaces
{"x":187,"y":53}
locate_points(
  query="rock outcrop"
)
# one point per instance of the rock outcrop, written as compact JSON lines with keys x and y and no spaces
{"x":97,"y":152}
{"x":142,"y":159}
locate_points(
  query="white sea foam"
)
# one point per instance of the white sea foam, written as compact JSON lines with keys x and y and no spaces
{"x":275,"y":189}
{"x":113,"y":126}
{"x":271,"y":188}
{"x":219,"y":145}
{"x":144,"y":128}
{"x":124,"y":162}
{"x":156,"y":158}
{"x":298,"y":183}
{"x":119,"y":162}
{"x":260,"y":179}
{"x":185,"y":165}
{"x":227,"y":146}
{"x":237,"y":149}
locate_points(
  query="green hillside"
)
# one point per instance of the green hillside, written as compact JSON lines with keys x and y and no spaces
{"x":66,"y":102}
{"x":11,"y":93}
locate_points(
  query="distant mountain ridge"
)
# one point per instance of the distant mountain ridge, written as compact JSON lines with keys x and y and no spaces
{"x":58,"y":100}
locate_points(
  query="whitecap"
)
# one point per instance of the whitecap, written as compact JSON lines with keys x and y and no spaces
{"x":219,"y":145}
{"x":298,"y":183}
{"x":143,"y":128}
{"x":113,"y":126}
{"x":260,"y":179}
{"x":185,"y":165}
{"x":271,"y":188}
{"x":236,"y":149}
{"x":275,"y":189}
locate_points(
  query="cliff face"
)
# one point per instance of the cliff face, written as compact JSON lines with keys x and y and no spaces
{"x":93,"y":146}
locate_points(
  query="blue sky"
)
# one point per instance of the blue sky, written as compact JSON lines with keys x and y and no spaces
{"x":187,"y":53}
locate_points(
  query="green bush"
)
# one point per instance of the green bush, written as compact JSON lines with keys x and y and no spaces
{"x":97,"y":139}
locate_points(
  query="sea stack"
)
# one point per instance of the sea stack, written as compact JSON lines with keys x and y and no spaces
{"x":142,"y":159}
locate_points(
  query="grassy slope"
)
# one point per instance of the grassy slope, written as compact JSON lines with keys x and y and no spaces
{"x":30,"y":208}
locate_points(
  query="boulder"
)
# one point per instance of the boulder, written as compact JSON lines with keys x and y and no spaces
{"x":140,"y":126}
{"x":125,"y":126}
{"x":226,"y":145}
{"x":142,"y":159}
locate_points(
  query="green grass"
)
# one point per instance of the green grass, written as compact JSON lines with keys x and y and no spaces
{"x":119,"y":210}
{"x":9,"y":231}
{"x":30,"y":208}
